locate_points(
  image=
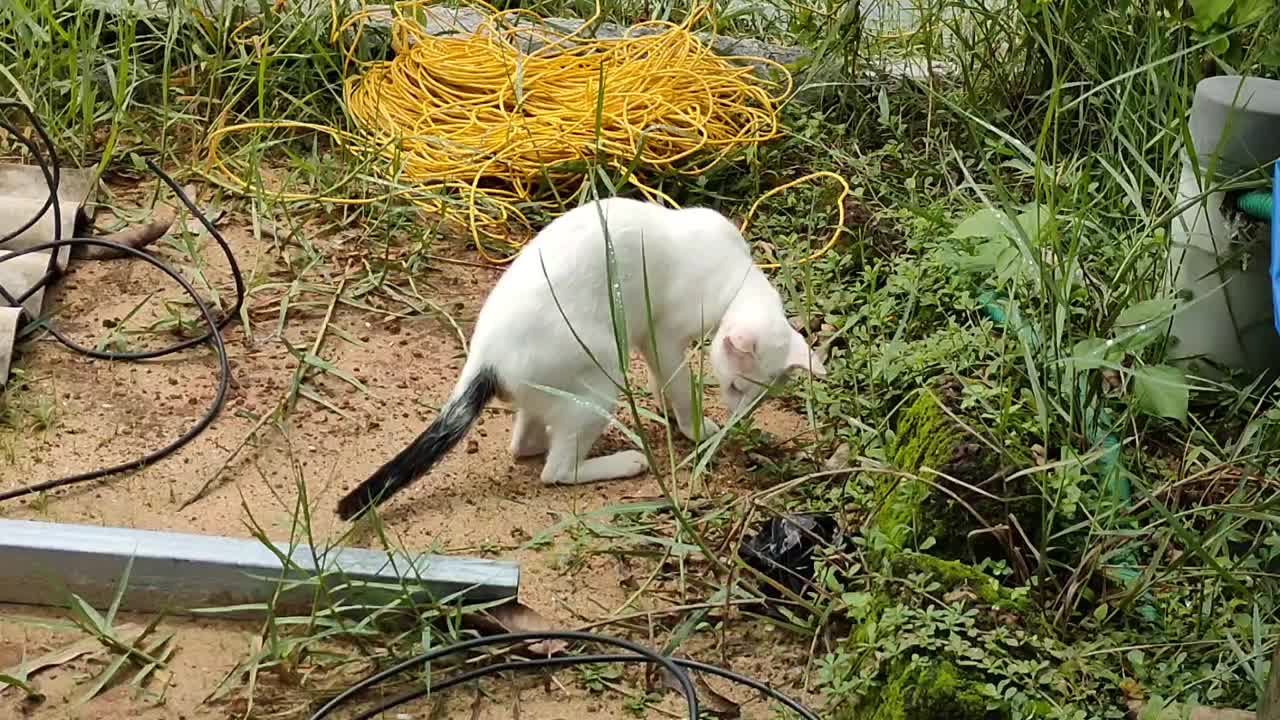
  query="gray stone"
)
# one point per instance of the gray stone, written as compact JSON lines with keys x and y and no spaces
{"x":445,"y":21}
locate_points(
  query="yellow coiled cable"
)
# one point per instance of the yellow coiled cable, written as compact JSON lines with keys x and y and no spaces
{"x":475,"y":121}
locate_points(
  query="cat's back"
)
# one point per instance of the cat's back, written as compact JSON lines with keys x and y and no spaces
{"x":678,"y":251}
{"x":573,"y":245}
{"x":665,"y":233}
{"x":683,"y":265}
{"x":582,"y":229}
{"x":710,"y":236}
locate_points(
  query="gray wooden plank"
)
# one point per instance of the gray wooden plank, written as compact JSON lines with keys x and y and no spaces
{"x":40,"y":563}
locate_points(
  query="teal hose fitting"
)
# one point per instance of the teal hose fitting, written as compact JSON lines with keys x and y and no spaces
{"x":1257,"y":204}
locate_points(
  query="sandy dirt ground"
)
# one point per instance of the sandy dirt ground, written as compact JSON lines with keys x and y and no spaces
{"x":478,"y":501}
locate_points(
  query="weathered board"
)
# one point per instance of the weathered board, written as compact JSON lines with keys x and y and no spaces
{"x":42,"y":563}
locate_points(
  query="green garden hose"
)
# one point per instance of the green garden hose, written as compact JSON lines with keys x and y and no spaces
{"x":1257,"y":204}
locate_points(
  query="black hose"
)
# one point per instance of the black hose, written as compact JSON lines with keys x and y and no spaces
{"x":50,"y":169}
{"x":676,"y":666}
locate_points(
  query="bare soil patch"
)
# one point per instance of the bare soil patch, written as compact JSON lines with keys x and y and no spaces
{"x":479,"y":501}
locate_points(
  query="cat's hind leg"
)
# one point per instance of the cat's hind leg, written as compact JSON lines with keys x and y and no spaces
{"x":573,"y":432}
{"x":528,"y":435}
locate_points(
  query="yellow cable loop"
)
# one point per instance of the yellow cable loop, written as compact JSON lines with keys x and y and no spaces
{"x":835,"y":236}
{"x":474,"y":120}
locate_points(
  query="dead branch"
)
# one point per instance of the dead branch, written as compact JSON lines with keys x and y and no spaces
{"x":135,"y":236}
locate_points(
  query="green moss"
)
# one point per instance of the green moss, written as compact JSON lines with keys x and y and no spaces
{"x":927,"y":692}
{"x":953,"y":575}
{"x":926,"y":438}
{"x":930,"y":450}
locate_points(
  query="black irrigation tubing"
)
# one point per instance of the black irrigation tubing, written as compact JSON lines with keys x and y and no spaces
{"x":49,"y":167}
{"x":677,"y":667}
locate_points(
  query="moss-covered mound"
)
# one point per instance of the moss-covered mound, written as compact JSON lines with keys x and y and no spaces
{"x":926,"y":691}
{"x":945,"y":487}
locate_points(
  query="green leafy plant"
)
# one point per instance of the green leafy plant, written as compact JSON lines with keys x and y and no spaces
{"x":597,"y":678}
{"x":1156,"y":389}
{"x":1011,"y":259}
{"x":1237,"y":28}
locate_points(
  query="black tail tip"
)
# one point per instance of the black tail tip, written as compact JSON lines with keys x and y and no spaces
{"x":356,"y":503}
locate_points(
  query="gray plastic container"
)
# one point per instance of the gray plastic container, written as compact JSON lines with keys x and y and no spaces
{"x":1235,"y":128}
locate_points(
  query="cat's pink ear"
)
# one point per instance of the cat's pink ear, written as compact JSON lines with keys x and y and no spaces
{"x":739,"y":343}
{"x":800,"y":357}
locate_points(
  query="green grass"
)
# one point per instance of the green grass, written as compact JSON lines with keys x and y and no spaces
{"x":1009,"y":219}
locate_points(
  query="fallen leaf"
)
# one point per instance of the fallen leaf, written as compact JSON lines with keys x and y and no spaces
{"x":515,"y":617}
{"x":127,"y":633}
{"x":839,"y":459}
{"x":713,"y":703}
{"x":959,"y":595}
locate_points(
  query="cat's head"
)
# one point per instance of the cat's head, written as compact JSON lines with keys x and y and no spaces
{"x":748,"y":357}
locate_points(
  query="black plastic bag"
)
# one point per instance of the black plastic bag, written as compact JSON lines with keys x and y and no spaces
{"x":785,"y":549}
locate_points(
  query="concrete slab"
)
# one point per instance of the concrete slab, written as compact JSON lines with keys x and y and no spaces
{"x":23,"y":190}
{"x":22,"y":273}
{"x":444,"y":21}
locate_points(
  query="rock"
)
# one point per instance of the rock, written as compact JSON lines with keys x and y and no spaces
{"x":839,"y":459}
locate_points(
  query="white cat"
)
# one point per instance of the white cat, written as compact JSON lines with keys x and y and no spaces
{"x":699,"y":275}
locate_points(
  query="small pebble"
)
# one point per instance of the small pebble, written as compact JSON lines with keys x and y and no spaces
{"x":839,"y":459}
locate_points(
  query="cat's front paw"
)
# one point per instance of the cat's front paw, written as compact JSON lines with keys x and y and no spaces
{"x":629,"y":463}
{"x":709,"y":428}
